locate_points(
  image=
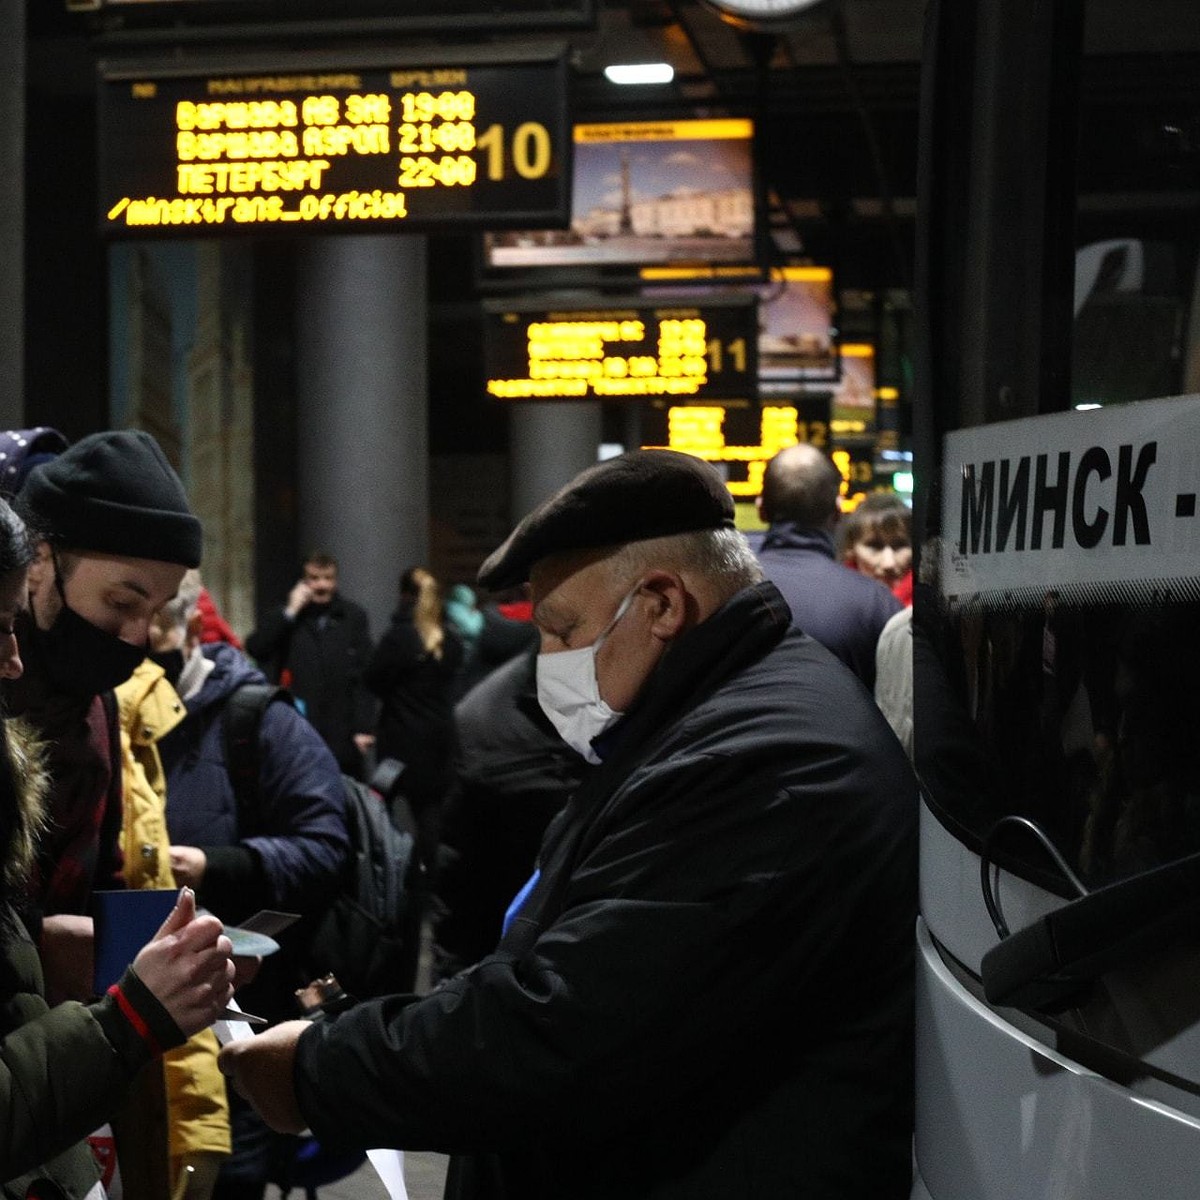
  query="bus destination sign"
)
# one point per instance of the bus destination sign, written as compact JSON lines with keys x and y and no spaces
{"x":397,"y":147}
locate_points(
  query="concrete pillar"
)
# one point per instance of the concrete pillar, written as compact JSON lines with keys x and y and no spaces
{"x":549,"y":444}
{"x":362,"y":437}
{"x":12,"y":216}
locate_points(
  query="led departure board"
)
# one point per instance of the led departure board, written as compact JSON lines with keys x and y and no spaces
{"x":432,"y":146}
{"x":690,"y":351}
{"x":742,"y":438}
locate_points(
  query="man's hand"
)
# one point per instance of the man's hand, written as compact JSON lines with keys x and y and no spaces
{"x":188,"y":864}
{"x":261,"y":1069}
{"x":67,"y":950}
{"x":364,"y":742}
{"x":298,"y":598}
{"x":187,"y":966}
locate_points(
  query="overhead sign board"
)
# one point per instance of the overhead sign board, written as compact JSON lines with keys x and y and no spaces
{"x":432,"y":145}
{"x":446,"y":16}
{"x":636,"y":352}
{"x":741,"y":438}
{"x":1082,"y":506}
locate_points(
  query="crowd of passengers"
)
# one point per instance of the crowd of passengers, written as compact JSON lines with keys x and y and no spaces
{"x":654,"y":771}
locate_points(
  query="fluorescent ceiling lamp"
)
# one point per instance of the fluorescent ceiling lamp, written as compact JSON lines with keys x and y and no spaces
{"x":655,"y":72}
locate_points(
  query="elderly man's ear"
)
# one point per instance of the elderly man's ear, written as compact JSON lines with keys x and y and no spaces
{"x":672,"y":608}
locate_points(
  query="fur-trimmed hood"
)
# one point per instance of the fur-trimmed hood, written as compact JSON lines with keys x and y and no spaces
{"x":22,"y":803}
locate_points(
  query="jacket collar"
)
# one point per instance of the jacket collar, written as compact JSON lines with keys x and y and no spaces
{"x":787,"y":535}
{"x":149,"y":706}
{"x":335,"y":610}
{"x":24,"y":805}
{"x":740,"y":632}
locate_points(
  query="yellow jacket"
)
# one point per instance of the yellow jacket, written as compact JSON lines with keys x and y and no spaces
{"x":149,"y":709}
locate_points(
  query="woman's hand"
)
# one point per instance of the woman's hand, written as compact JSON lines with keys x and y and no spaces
{"x":188,"y":966}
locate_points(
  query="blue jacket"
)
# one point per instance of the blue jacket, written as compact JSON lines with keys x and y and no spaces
{"x":300,"y":844}
{"x":843,"y":610}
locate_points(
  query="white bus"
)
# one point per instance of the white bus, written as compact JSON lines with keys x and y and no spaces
{"x":1057,"y":619}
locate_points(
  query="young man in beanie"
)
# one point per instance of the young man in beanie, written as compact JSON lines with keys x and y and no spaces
{"x":115,"y":536}
{"x":705,"y":991}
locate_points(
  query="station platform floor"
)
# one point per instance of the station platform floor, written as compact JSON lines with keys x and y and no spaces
{"x":424,"y":1177}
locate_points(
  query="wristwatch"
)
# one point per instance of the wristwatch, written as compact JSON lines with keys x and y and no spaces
{"x":761,"y":14}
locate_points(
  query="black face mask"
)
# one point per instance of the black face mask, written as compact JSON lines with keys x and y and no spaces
{"x":171,"y":662}
{"x":79,"y":657}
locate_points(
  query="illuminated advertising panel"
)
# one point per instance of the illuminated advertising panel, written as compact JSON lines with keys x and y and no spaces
{"x":795,"y":316}
{"x":854,"y":398}
{"x":635,"y":352}
{"x":436,"y":145}
{"x":649,"y":192}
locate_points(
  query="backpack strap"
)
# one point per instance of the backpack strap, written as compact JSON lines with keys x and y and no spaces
{"x":241,"y":722}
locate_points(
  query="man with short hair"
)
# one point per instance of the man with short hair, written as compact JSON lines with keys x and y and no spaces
{"x":318,"y":645}
{"x":706,"y":989}
{"x":843,"y":610}
{"x":115,"y":537}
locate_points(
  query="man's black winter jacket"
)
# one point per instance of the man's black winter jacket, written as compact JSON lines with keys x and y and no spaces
{"x":709,"y":992}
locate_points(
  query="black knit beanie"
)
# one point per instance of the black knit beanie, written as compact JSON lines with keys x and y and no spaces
{"x":115,"y":493}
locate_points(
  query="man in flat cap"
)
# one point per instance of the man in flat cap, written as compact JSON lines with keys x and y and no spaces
{"x":705,"y":990}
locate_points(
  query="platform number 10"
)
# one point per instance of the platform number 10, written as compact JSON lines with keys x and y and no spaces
{"x":528,"y":150}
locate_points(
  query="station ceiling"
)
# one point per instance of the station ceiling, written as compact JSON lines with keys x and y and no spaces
{"x":835,"y":96}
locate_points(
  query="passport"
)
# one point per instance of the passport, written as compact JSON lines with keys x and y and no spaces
{"x":124,"y":922}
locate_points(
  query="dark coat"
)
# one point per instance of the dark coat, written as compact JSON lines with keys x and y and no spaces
{"x":500,"y":639}
{"x":709,"y":992}
{"x":512,"y":774}
{"x":63,"y":1071}
{"x":286,"y":856}
{"x":320,"y":656}
{"x":843,"y":610}
{"x":416,"y":719}
{"x":291,"y":857}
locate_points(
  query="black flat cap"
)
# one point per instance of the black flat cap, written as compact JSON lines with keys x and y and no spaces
{"x":635,"y":496}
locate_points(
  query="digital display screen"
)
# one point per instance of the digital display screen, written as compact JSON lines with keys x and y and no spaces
{"x":426,"y":147}
{"x":795,"y":317}
{"x":741,"y":439}
{"x":648,"y":192}
{"x":689,"y":351}
{"x":854,"y":398}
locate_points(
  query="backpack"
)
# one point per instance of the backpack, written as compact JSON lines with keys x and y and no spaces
{"x":368,"y":936}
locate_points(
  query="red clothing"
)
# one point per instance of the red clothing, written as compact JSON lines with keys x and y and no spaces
{"x":518,"y":610}
{"x":81,"y":850}
{"x":213,"y":626}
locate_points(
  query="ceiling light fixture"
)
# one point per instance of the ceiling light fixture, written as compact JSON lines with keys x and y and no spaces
{"x":651,"y":72}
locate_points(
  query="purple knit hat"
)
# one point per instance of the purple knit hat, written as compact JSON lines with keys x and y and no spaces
{"x":23,"y":449}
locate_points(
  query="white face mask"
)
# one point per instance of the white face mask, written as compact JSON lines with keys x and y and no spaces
{"x":569,"y":691}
